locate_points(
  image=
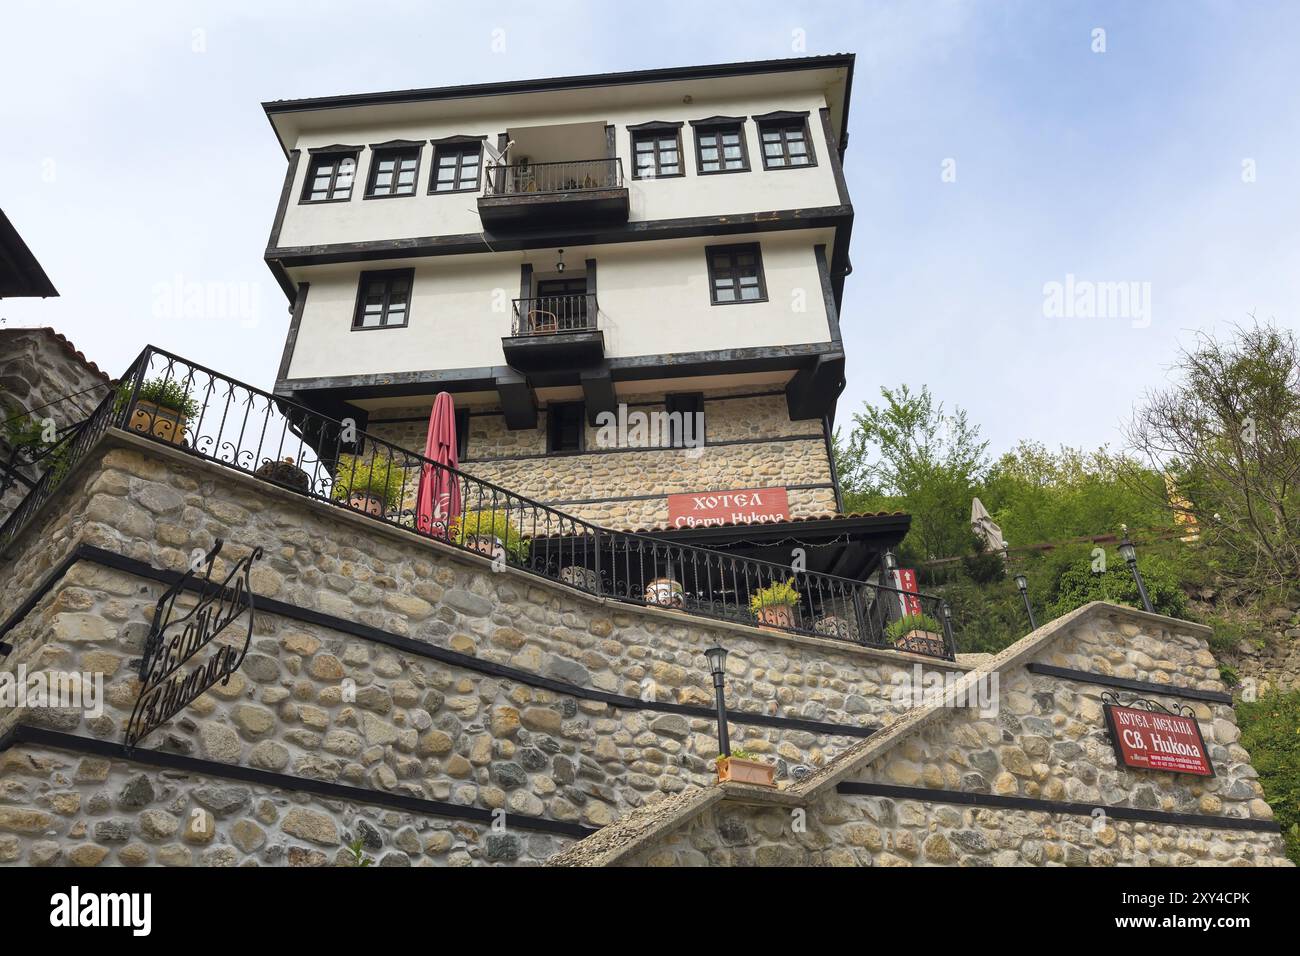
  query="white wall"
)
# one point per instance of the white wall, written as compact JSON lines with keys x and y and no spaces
{"x":454,"y":214}
{"x":653,"y":296}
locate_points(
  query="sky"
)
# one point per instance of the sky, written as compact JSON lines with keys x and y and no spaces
{"x":1052,"y":198}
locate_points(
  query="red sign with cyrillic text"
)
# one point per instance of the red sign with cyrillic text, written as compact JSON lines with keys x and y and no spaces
{"x":710,"y":509}
{"x":1150,"y":740}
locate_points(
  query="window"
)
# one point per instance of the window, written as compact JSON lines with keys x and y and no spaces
{"x":720,"y":146}
{"x":393,"y":170}
{"x":736,"y":274}
{"x":685,"y":419}
{"x":656,"y":150}
{"x":561,"y":304}
{"x":785,"y":140}
{"x":383,"y":299}
{"x":329,"y":178}
{"x":456,"y":166}
{"x":566,"y":424}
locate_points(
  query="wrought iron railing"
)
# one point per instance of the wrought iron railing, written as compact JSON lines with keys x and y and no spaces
{"x":573,"y":176}
{"x":282,"y":442}
{"x":545,"y":314}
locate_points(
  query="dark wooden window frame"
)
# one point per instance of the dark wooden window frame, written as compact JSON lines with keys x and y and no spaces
{"x":656,"y":128}
{"x":380,"y":151}
{"x":387,"y":275}
{"x":335,"y":154}
{"x":720,"y":124}
{"x":552,"y":427}
{"x":462,"y":433}
{"x":785,"y":119}
{"x":733,"y":249}
{"x":462,"y":146}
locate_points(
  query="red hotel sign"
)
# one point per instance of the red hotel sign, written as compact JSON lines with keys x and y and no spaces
{"x":709,"y":509}
{"x":1150,"y":740}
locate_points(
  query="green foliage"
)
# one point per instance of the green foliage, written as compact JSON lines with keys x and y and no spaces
{"x":908,"y":451}
{"x":897,"y":630}
{"x":492,"y":524}
{"x":1270,"y":731}
{"x":357,"y":852}
{"x":1036,"y":495}
{"x":1081,"y":582}
{"x":984,"y":567}
{"x":380,"y":478}
{"x":780,"y":593}
{"x":742,"y":755}
{"x":163,"y":392}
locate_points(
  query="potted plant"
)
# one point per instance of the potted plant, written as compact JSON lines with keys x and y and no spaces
{"x":774,"y":605}
{"x":492,"y":533}
{"x":162,"y":408}
{"x":665,"y":592}
{"x":745,"y":767}
{"x":369,"y":484}
{"x":916,"y":632}
{"x":286,"y":473}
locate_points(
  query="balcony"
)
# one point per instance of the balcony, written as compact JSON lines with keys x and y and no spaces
{"x":524,"y":195}
{"x":554,"y":331}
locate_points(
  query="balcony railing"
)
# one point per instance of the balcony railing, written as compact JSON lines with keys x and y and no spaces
{"x":548,"y":314}
{"x":579,"y":175}
{"x":289,"y":445}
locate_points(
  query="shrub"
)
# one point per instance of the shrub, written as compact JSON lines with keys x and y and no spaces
{"x":897,"y":630}
{"x":163,"y":392}
{"x":1270,"y":730}
{"x":778,"y":594}
{"x":492,"y":524}
{"x":380,"y":478}
{"x":1078,"y":584}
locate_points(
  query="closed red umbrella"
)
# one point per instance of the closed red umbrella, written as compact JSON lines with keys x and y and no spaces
{"x":438,"y":504}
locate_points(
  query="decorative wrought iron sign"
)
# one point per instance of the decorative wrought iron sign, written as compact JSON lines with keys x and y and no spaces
{"x":167,"y":686}
{"x":1149,"y":736}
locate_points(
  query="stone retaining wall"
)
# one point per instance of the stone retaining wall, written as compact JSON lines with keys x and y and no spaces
{"x":322,"y":704}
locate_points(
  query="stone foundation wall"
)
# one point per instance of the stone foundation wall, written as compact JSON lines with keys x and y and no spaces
{"x":1047,"y":741}
{"x":583,"y":484}
{"x":323,"y":704}
{"x":61,"y":808}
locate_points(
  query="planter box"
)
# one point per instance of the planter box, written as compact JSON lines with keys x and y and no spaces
{"x":922,"y":642}
{"x":776,"y":615}
{"x":740,"y":770}
{"x":165,"y":423}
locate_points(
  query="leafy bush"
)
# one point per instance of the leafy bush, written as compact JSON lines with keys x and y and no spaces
{"x":778,"y":594}
{"x":740,"y":754}
{"x":1270,"y":730}
{"x":1078,"y":584}
{"x":984,"y":567}
{"x":163,"y":392}
{"x":492,"y":524}
{"x":897,"y":630}
{"x":380,"y":478}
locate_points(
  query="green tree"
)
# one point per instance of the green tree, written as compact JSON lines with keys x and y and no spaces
{"x":1228,"y":433}
{"x":908,"y":453}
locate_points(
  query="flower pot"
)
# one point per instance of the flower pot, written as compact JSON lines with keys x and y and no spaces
{"x":776,"y":615}
{"x":740,"y":770}
{"x":579,"y":577}
{"x":665,"y":592}
{"x":284,"y":473}
{"x":837,"y":627}
{"x":370,"y":504}
{"x":165,"y":423}
{"x":921,"y":642}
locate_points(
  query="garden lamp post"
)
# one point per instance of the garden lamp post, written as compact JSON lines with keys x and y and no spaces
{"x":1129,"y":553}
{"x":718,"y":665}
{"x":1022,"y":583}
{"x":945,"y":612}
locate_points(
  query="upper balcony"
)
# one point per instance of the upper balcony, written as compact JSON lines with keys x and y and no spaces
{"x":525,"y":194}
{"x":554,"y":331}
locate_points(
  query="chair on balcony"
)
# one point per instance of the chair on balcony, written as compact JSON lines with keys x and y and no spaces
{"x":540,"y":320}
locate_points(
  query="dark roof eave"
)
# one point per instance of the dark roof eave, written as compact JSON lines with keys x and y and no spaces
{"x":550,"y":84}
